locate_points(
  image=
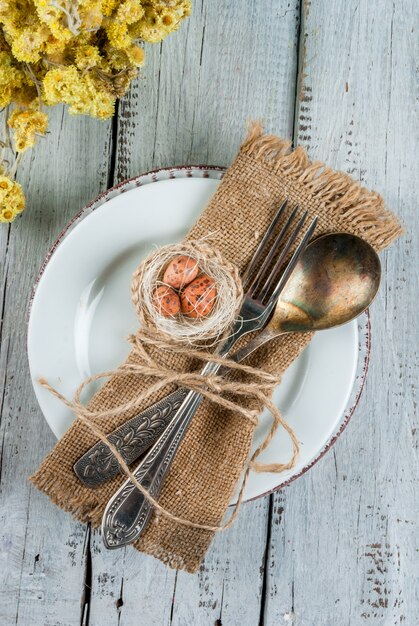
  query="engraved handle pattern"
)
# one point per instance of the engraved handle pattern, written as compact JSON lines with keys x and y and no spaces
{"x":128,"y":511}
{"x":131,"y":440}
{"x":138,"y":434}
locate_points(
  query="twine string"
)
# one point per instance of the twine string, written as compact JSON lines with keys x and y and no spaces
{"x":213,"y":387}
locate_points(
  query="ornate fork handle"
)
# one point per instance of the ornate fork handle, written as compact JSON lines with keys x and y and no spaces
{"x":131,"y":440}
{"x":128,"y":512}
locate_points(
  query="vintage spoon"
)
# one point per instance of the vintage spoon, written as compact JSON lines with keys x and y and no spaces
{"x":335,"y":280}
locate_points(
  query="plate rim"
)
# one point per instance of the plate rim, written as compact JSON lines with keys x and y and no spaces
{"x":356,"y":393}
{"x":217,"y":172}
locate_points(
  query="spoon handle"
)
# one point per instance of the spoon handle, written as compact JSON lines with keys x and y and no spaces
{"x":128,"y":511}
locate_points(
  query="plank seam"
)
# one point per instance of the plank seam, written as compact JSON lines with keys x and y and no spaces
{"x":264,"y":567}
{"x":113,"y":146}
{"x":299,"y":69}
{"x":87,"y":580}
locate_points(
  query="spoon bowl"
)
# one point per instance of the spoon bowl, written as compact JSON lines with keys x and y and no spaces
{"x":336,"y":279}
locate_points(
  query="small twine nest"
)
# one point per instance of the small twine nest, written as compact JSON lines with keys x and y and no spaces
{"x":149,"y":275}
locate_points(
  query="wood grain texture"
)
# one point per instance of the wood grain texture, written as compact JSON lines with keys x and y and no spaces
{"x":339,"y":545}
{"x":201,"y":86}
{"x":343,"y":546}
{"x":128,"y":588}
{"x":228,"y":586}
{"x":42,"y":550}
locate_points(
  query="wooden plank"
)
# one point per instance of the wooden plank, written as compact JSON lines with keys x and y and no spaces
{"x":343,"y":542}
{"x":128,"y":588}
{"x":227,"y":64}
{"x":227,"y":589}
{"x":41,"y":548}
{"x":224,"y":66}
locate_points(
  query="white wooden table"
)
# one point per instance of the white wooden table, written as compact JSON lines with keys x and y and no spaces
{"x":337,"y":547}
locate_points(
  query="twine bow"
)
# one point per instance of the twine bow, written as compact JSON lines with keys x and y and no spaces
{"x":213,"y":387}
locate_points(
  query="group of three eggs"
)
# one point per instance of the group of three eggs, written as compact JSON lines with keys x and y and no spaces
{"x":185,"y":290}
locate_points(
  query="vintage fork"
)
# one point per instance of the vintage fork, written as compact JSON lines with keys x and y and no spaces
{"x":128,"y":512}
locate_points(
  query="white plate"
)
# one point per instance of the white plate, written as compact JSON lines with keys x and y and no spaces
{"x":81,"y":313}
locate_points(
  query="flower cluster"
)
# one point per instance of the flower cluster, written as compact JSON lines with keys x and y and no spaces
{"x":12,"y":199}
{"x":82,"y":53}
{"x":27,"y":125}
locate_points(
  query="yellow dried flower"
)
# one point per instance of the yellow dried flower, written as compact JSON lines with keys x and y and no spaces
{"x":54,"y":18}
{"x":11,"y":79}
{"x":73,"y":36}
{"x":103,"y":105}
{"x":82,"y":53}
{"x":29,"y":44}
{"x":6,"y":184}
{"x":118,"y":34}
{"x":91,"y":14}
{"x":87,"y":57}
{"x":136,"y":55}
{"x":117,"y":84}
{"x":108,"y":7}
{"x":61,"y":85}
{"x":160,"y":19}
{"x":12,"y":199}
{"x":27,"y":125}
{"x":78,"y":91}
{"x":116,"y":59}
{"x":49,"y":13}
{"x":129,"y":11}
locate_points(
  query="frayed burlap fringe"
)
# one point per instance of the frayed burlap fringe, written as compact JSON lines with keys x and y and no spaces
{"x":212,"y":457}
{"x":355,"y":205}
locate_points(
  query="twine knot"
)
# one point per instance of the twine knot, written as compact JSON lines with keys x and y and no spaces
{"x":147,"y":344}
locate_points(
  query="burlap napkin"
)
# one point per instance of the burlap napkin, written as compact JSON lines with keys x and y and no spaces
{"x":205,"y":472}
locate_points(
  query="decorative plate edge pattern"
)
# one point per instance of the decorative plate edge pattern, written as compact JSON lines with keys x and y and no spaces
{"x":364,"y":352}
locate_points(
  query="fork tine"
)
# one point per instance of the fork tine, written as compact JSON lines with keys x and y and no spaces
{"x":269,"y":281}
{"x":267,"y":262}
{"x":291,"y":265}
{"x":255,"y":259}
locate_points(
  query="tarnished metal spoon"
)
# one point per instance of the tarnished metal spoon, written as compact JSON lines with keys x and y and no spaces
{"x":335,"y":280}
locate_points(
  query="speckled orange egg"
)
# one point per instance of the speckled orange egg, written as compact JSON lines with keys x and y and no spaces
{"x":198,"y":298}
{"x":181,"y":271}
{"x":166,"y":301}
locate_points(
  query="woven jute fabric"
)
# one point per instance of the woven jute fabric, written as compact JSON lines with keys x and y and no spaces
{"x":212,"y":456}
